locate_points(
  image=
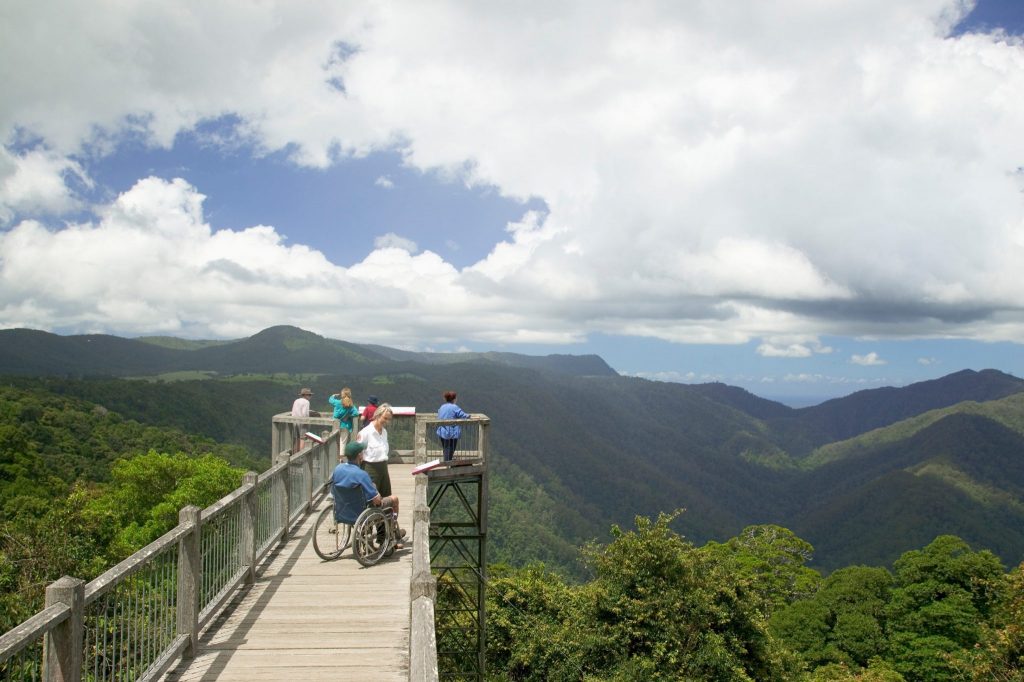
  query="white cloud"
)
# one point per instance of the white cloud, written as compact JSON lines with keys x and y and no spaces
{"x":670,"y":375}
{"x":384,"y":181}
{"x":36,"y":182}
{"x":393,"y":241}
{"x":713,"y":172}
{"x":927,"y":361}
{"x":794,"y":350}
{"x":833,"y":380}
{"x":869,"y":360}
{"x":792,"y":347}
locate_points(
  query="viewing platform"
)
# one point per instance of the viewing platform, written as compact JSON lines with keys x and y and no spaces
{"x":236,"y":591}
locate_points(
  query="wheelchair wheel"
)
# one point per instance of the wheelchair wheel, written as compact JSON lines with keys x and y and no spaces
{"x":330,"y":538}
{"x":370,"y":537}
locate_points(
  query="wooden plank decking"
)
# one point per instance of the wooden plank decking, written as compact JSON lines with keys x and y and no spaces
{"x":306,"y":619}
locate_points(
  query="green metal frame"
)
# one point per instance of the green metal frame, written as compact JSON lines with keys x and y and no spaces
{"x":458,"y":559}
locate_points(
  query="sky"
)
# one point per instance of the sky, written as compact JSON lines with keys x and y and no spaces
{"x":802,"y":199}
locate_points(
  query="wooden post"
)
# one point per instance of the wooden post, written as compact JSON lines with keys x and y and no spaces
{"x":190,"y":578}
{"x":422,"y":591}
{"x":62,"y":646}
{"x":419,"y":439}
{"x":275,"y":441}
{"x":286,"y":458}
{"x":250,"y":516}
{"x":331,"y":444}
{"x":484,"y":426}
{"x":308,"y":464}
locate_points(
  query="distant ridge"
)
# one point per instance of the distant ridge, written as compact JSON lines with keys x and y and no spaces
{"x":963,"y":472}
{"x":575,"y":365}
{"x":862,"y":411}
{"x":744,"y":401}
{"x":284,"y":349}
{"x":39,"y":353}
{"x":175,"y":343}
{"x":277,"y":349}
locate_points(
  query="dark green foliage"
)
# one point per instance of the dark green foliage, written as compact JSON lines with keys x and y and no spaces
{"x":844,"y":622}
{"x":48,"y":442}
{"x":941,"y":596}
{"x":768,"y":561}
{"x":1000,"y":652}
{"x":82,"y":488}
{"x":524,"y":521}
{"x":658,"y":610}
{"x":927,"y":620}
{"x":36,"y":549}
{"x":147,"y":491}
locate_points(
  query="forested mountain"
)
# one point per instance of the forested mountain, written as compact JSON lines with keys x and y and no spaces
{"x":281,"y":349}
{"x":577,"y":449}
{"x":843,"y":418}
{"x":579,"y":365}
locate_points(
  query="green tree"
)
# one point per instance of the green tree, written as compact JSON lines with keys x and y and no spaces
{"x":999,"y":655}
{"x":534,"y":629}
{"x":843,"y":623}
{"x":36,"y":550}
{"x":941,"y":596}
{"x":674,"y":614}
{"x":877,"y":670}
{"x":658,"y":609}
{"x":769,"y":561}
{"x":146,"y":492}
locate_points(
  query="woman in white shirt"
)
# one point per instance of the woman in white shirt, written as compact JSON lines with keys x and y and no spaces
{"x":375,"y":456}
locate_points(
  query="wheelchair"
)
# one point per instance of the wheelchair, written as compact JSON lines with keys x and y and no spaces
{"x":372,"y":531}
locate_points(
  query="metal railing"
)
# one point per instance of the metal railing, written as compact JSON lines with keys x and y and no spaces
{"x":286,"y":430}
{"x":136,"y":619}
{"x":471,"y":443}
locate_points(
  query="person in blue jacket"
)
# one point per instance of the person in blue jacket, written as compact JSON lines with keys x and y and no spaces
{"x":449,"y":433}
{"x":349,"y":475}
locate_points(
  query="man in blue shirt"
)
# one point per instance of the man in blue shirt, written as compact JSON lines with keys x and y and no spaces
{"x":349,"y":475}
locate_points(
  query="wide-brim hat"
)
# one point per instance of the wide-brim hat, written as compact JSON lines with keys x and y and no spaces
{"x":373,"y":400}
{"x":305,"y":391}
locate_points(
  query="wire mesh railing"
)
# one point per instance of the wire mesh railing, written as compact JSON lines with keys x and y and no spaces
{"x":451,"y":439}
{"x":298,"y":485}
{"x":270,"y":521}
{"x":135,"y":620}
{"x":26,"y":664}
{"x":22,"y":649}
{"x":129,"y":618}
{"x":223,"y":558}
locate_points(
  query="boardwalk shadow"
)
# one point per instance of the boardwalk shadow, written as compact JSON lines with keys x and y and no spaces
{"x":215,"y":650}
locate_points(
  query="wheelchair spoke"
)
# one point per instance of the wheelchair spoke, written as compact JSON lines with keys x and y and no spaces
{"x":329,"y":538}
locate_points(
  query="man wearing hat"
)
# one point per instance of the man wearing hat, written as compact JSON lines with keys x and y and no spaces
{"x":300,"y":408}
{"x":349,"y":475}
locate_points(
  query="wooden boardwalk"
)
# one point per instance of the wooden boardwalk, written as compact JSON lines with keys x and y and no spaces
{"x":307,"y":619}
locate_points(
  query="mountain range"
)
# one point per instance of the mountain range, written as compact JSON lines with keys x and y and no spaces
{"x":578,"y":447}
{"x":280,"y":349}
